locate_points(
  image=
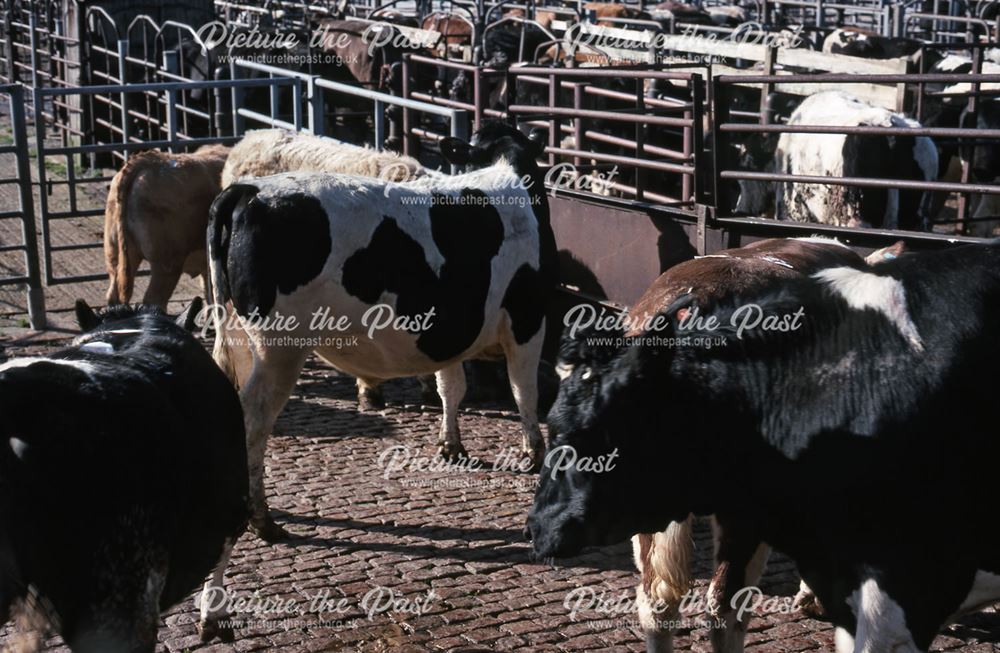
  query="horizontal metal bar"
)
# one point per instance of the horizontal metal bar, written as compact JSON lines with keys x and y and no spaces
{"x":12,"y":248}
{"x":165,"y":86}
{"x":10,"y":281}
{"x":623,"y":160}
{"x":601,"y":115}
{"x":849,"y":234}
{"x":862,"y":182}
{"x":145,"y":145}
{"x":748,"y":128}
{"x":852,"y":78}
{"x":79,"y":278}
{"x":385,"y":97}
{"x":75,"y":247}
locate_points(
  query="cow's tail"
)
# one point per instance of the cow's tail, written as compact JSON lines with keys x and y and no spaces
{"x":124,"y":255}
{"x":225,"y":213}
{"x":664,"y":560}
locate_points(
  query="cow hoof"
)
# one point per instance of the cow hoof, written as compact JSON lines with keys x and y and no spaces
{"x":807,"y":603}
{"x":209,"y":630}
{"x":537,"y":459}
{"x":270,"y":531}
{"x":453,"y":453}
{"x":370,"y":402}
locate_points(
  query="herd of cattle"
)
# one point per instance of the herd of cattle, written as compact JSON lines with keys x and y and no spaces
{"x":854,"y":439}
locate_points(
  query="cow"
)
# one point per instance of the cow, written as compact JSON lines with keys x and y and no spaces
{"x":663,"y":558}
{"x":841,"y":440}
{"x":856,"y":42}
{"x":266,"y":152}
{"x":157,"y":210}
{"x":115,"y":505}
{"x":463,"y":265}
{"x":839,"y":155}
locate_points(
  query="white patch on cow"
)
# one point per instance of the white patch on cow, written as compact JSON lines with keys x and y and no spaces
{"x":822,"y":240}
{"x":985,"y":591}
{"x":98,"y":347}
{"x":123,"y":331}
{"x":83,"y":366}
{"x":563,"y":371}
{"x":881,"y":622}
{"x":712,"y":256}
{"x":18,"y":446}
{"x":884,"y":294}
{"x":843,"y":641}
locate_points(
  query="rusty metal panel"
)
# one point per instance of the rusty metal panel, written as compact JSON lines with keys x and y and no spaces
{"x":613,"y":253}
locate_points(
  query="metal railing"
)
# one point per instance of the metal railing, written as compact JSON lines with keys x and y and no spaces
{"x":25,"y":211}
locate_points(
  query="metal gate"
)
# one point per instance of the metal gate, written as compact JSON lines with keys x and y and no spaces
{"x":60,"y":173}
{"x":25,"y":211}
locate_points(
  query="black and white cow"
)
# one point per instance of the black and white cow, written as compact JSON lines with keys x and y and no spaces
{"x":467,"y":263}
{"x":860,"y":440}
{"x":840,"y":155}
{"x":123,"y":479}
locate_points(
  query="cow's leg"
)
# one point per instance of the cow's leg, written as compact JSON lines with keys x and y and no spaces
{"x":212,"y":602}
{"x":162,"y":282}
{"x":522,"y":368}
{"x":664,"y":562}
{"x":807,"y":602}
{"x":451,"y":388}
{"x":428,"y":389}
{"x":370,"y":395}
{"x":266,"y":392}
{"x":740,"y":559}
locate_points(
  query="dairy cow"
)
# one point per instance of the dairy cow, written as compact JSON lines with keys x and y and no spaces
{"x":461,"y":266}
{"x":123,"y":481}
{"x":842,"y":440}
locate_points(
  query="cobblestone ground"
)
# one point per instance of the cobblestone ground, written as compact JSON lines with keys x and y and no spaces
{"x":416,"y":561}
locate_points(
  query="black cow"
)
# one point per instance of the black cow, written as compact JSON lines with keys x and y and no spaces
{"x":123,"y":479}
{"x":860,"y":441}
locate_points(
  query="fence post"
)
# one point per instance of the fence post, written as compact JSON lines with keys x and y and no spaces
{"x":720,"y":145}
{"x":969,"y":152}
{"x":697,"y":138}
{"x":379,"y":120}
{"x":8,"y":26}
{"x":123,"y":79}
{"x":33,"y":39}
{"x":238,"y":122}
{"x":297,"y":103}
{"x":36,"y":297}
{"x":171,"y":63}
{"x":407,"y":137}
{"x":459,"y":128}
{"x":316,"y":118}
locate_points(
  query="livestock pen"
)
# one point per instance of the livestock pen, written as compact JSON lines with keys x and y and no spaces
{"x":647,"y":128}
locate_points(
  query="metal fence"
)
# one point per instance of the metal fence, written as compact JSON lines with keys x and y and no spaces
{"x":25,"y":211}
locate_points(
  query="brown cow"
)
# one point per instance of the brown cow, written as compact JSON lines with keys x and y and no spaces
{"x":157,"y":211}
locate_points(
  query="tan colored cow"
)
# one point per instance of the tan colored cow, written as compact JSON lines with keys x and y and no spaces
{"x":157,"y":211}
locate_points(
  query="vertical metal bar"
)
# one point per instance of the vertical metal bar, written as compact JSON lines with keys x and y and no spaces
{"x":238,"y":122}
{"x":640,"y":143}
{"x":459,"y":128}
{"x":407,"y":136}
{"x":43,"y":204}
{"x":36,"y":296}
{"x":171,"y":63}
{"x":477,"y":92}
{"x":379,"y":120}
{"x":123,"y":80}
{"x":316,"y":118}
{"x":720,"y":146}
{"x":297,"y":103}
{"x":554,"y":128}
{"x":770,"y":56}
{"x":33,"y":39}
{"x":8,"y":26}
{"x":579,"y":97}
{"x":273,"y":95}
{"x":697,"y":138}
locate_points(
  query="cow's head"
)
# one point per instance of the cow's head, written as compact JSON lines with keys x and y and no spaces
{"x":619,"y":419}
{"x":495,"y":140}
{"x":88,"y":319}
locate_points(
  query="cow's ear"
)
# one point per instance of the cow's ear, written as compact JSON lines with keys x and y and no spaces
{"x":187,"y":319}
{"x":86,"y":318}
{"x":537,"y":140}
{"x":455,"y":150}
